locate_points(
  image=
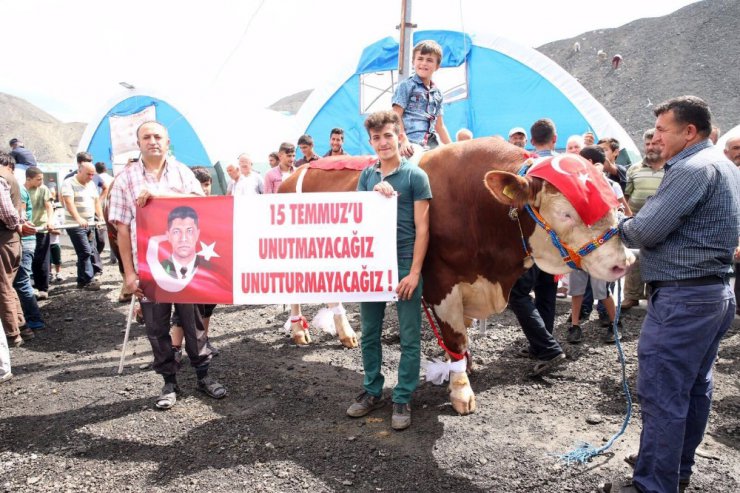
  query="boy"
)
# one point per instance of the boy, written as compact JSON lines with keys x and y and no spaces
{"x":274,"y":177}
{"x":393,"y":174}
{"x":418,"y":102}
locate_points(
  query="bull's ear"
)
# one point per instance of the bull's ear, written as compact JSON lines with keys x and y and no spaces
{"x":508,"y":188}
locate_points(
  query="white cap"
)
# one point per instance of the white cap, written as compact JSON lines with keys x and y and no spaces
{"x":518,"y":130}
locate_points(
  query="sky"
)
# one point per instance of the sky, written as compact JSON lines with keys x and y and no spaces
{"x":227,"y":60}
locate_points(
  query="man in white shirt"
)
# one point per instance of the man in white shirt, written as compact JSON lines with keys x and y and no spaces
{"x":249,"y":181}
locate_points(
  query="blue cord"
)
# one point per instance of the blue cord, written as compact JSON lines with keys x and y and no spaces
{"x":584,"y":452}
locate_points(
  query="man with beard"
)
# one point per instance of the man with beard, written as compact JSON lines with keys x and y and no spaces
{"x":336,"y":143}
{"x":643,"y":179}
{"x":518,"y":136}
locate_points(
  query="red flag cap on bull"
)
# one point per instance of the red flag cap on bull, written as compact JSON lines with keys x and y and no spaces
{"x":580,"y":182}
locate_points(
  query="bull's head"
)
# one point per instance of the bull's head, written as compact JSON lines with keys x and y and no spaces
{"x":564,"y":240}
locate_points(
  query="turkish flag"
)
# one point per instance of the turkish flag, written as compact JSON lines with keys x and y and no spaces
{"x":207,"y":277}
{"x":585,"y":187}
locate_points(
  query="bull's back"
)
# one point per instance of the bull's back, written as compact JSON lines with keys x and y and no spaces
{"x":321,"y":180}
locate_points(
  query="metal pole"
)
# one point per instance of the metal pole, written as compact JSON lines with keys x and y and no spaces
{"x":404,"y":40}
{"x":128,"y":329}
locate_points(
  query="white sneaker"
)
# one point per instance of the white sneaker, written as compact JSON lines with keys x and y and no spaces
{"x":42,"y":295}
{"x":6,"y":377}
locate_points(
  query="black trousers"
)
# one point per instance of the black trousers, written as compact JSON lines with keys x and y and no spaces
{"x":157,"y":321}
{"x":537,"y":317}
{"x":41,"y":261}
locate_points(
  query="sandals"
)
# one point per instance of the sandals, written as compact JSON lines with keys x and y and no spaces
{"x":545,"y":366}
{"x":168,"y":397}
{"x":212,"y":387}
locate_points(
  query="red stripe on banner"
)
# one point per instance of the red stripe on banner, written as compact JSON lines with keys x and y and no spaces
{"x":357,"y":163}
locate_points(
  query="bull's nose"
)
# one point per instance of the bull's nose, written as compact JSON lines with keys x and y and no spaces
{"x":618,"y":270}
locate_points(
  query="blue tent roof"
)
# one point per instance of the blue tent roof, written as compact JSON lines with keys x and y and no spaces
{"x":184,"y":142}
{"x":508,"y":86}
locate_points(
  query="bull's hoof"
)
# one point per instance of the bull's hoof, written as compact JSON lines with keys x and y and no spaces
{"x":300,"y":334}
{"x":461,"y":394}
{"x":347,"y":336}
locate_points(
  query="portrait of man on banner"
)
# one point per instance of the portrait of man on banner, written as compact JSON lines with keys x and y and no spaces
{"x":188,"y":258}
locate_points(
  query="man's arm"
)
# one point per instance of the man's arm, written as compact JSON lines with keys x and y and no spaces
{"x":8,"y":213}
{"x":441,"y":128}
{"x":131,"y":279}
{"x":99,"y":210}
{"x":403,"y":140}
{"x":408,"y":284}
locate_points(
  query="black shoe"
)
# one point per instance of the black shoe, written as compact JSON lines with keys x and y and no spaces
{"x":575,"y":334}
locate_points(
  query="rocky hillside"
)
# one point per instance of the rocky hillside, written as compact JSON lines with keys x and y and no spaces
{"x":691,"y":51}
{"x":50,"y":140}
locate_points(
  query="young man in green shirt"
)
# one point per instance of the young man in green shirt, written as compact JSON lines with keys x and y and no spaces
{"x":393,"y":174}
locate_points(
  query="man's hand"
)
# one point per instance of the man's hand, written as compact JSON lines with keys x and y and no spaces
{"x":385,"y":188}
{"x":26,"y":228}
{"x":144,"y":197}
{"x":610,"y":168}
{"x":82,"y":222}
{"x":406,"y":149}
{"x":407,"y":286}
{"x":132,"y":285}
{"x":737,"y":254}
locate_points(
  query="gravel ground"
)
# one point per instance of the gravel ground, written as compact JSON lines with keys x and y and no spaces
{"x":69,"y":423}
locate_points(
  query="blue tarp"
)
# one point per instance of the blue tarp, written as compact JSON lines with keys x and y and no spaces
{"x":503,"y":92}
{"x":184,"y":142}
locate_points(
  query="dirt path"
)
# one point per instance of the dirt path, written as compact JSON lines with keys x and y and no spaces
{"x":69,"y":423}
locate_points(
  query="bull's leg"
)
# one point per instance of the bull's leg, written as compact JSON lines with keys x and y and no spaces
{"x":299,"y":326}
{"x":454,"y":333}
{"x":346,"y":334}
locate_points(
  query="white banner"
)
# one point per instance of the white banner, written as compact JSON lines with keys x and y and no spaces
{"x":314,"y":247}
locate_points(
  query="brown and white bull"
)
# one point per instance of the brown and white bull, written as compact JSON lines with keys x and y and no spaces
{"x":477,"y":246}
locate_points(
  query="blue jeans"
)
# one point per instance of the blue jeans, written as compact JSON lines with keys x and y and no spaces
{"x":537,"y":316}
{"x":83,"y":241}
{"x":22,"y":285}
{"x":677,"y":348}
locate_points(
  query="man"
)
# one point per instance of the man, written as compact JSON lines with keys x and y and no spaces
{"x":643,"y":179}
{"x":391,"y":175}
{"x":23,"y":159}
{"x":273,"y":159}
{"x":732,"y":149}
{"x":156,"y":176}
{"x":537,"y":317}
{"x":588,"y":139}
{"x":249,"y":182}
{"x":615,"y":172}
{"x":336,"y":141}
{"x":182,"y":233}
{"x":43,"y":213}
{"x":518,"y":137}
{"x":12,"y":226}
{"x":274,"y":177}
{"x":687,"y":233}
{"x":106,"y":179}
{"x":305,"y":144}
{"x":97,"y":234}
{"x":233,"y":172}
{"x":82,"y":204}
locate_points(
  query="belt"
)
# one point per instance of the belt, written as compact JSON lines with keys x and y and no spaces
{"x":697,"y":281}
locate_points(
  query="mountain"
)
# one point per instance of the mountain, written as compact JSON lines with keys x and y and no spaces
{"x":50,"y":140}
{"x":691,"y":51}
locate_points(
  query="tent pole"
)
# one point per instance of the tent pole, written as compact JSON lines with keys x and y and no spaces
{"x":404,"y":40}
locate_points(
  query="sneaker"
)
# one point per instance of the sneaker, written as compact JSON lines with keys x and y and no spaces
{"x":545,"y":366}
{"x":90,"y":286}
{"x":609,"y":334}
{"x":178,"y":355}
{"x":27,"y":333}
{"x":17,"y":341}
{"x":628,"y":304}
{"x":363,"y":404}
{"x":58,"y":278}
{"x":214,"y":351}
{"x":168,"y":397}
{"x":575,"y":334}
{"x":401,"y":418}
{"x":6,"y":377}
{"x":42,"y":295}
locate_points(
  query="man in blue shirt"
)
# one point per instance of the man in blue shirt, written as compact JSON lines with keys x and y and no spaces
{"x":687,"y":233}
{"x":393,"y":174}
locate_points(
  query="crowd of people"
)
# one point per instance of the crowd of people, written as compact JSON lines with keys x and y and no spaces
{"x":679,"y":207}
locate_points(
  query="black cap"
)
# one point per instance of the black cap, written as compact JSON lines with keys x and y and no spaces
{"x":13,"y":141}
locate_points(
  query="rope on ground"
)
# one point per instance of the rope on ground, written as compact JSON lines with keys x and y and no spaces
{"x":584,"y":452}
